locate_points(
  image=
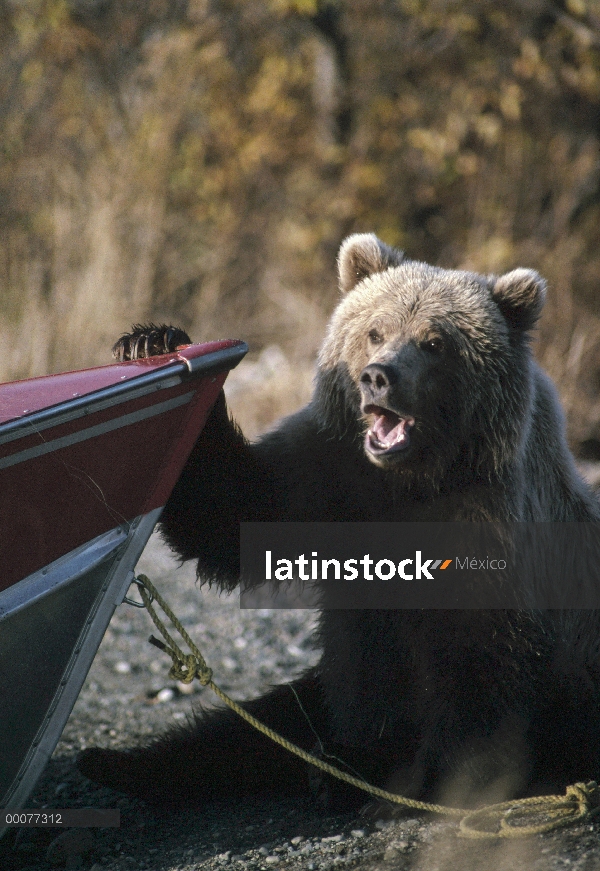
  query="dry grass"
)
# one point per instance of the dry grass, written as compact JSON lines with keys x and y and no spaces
{"x":261,"y":391}
{"x":200,"y":164}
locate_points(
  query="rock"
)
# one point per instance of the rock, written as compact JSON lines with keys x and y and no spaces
{"x":122,"y":667}
{"x":69,"y":848}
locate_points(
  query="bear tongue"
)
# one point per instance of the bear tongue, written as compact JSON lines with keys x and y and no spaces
{"x":391,"y":430}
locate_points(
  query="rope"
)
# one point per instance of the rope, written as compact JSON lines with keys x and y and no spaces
{"x":580,"y":802}
{"x":506,"y":820}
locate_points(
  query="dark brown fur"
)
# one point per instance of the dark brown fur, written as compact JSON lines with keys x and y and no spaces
{"x":463,"y":704}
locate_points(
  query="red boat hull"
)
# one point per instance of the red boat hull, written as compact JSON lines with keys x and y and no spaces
{"x":64,"y":484}
{"x":87,"y":460}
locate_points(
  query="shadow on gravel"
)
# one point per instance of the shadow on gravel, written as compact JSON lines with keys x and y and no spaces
{"x":253,"y":834}
{"x":260,"y":835}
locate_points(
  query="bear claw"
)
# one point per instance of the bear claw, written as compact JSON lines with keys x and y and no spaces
{"x":148,"y":340}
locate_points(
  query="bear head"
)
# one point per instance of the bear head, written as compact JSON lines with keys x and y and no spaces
{"x":429,"y":370}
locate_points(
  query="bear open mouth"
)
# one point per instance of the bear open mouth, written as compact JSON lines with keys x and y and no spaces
{"x":389,"y":432}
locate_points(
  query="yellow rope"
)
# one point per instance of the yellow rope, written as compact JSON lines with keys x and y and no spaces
{"x":505,"y":820}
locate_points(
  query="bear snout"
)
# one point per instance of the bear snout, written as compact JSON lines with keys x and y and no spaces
{"x":383,"y":385}
{"x":376,"y":381}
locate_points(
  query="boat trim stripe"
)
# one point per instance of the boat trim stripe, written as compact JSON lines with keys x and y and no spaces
{"x":94,"y":431}
{"x":166,"y":376}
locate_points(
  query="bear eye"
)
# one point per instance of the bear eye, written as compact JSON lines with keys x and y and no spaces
{"x":375,"y":337}
{"x":434,"y":345}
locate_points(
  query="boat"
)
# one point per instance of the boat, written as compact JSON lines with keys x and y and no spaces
{"x":87,"y":461}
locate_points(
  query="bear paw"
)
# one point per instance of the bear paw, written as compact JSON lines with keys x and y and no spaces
{"x":107,"y":767}
{"x":129,"y":772}
{"x":147,"y":340}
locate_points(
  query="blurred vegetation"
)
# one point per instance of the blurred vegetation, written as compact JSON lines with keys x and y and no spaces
{"x":201,"y":160}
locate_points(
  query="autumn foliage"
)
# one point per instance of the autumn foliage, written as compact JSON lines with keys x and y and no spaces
{"x":201,"y":161}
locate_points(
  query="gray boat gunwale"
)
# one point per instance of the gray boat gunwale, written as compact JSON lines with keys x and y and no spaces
{"x":167,"y":376}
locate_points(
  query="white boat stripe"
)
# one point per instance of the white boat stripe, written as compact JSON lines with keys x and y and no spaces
{"x":90,"y":403}
{"x":93,"y":431}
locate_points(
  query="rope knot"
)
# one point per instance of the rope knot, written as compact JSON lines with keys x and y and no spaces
{"x":188,"y":668}
{"x":587,"y":795}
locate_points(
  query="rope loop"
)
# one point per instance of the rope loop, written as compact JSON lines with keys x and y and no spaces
{"x":510,"y":819}
{"x":533,"y":816}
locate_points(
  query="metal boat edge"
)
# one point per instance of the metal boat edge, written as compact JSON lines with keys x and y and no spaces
{"x":118,"y":553}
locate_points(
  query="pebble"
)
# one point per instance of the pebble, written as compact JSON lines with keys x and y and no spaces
{"x":383,"y":824}
{"x":186,"y":689}
{"x":358,"y":833}
{"x":229,"y":663}
{"x":122,"y":667}
{"x":297,"y":840}
{"x":165,"y":695}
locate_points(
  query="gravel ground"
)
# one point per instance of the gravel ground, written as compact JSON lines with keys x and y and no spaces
{"x":128,"y":694}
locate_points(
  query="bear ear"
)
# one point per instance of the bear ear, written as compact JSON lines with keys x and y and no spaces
{"x":520,"y":296}
{"x":364,"y":254}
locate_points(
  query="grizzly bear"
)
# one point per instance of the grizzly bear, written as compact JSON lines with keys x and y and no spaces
{"x":428,"y":406}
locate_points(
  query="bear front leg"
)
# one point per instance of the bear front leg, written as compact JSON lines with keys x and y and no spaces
{"x":224,"y":483}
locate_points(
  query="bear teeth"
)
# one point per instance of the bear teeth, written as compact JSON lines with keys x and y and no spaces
{"x":389,"y":431}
